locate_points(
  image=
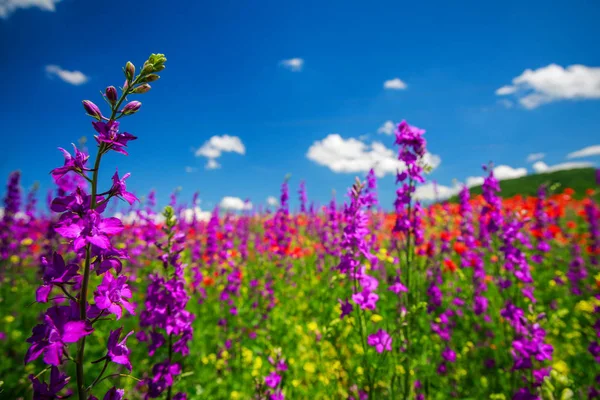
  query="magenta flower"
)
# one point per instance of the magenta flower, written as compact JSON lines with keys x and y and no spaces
{"x":108,"y":133}
{"x":76,"y":163}
{"x":44,"y":391}
{"x":91,"y":228}
{"x":117,"y":350}
{"x":273,"y":379}
{"x":112,"y":293}
{"x":55,"y":273}
{"x":365,"y":299}
{"x":112,"y":394}
{"x":381,"y":341}
{"x":92,"y":110}
{"x":398,"y":287}
{"x":119,"y":188}
{"x":51,"y":337}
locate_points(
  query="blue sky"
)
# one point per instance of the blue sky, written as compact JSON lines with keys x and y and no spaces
{"x":225,"y":76}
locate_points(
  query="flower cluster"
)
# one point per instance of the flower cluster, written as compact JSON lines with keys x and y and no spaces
{"x":89,"y":235}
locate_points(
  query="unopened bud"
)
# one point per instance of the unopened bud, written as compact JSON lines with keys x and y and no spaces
{"x":141,"y":89}
{"x":111,"y":94}
{"x":131,"y":108}
{"x":92,"y":110}
{"x":129,"y":70}
{"x":150,"y":78}
{"x":148,"y":68}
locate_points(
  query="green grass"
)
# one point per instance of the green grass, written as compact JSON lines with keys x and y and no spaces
{"x":579,"y":180}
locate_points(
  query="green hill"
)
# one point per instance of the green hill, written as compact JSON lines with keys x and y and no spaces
{"x":577,"y":179}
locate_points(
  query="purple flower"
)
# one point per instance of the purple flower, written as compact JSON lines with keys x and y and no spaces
{"x":44,"y":391}
{"x":381,"y":341}
{"x":346,"y":308}
{"x":92,"y":110}
{"x":114,"y":394}
{"x":117,"y":350}
{"x":365,"y":299}
{"x":162,"y":378}
{"x":89,"y":229}
{"x":55,"y":273}
{"x":108,"y":133}
{"x":119,"y":188}
{"x":398,"y":287}
{"x":112,"y":293}
{"x":272,"y":380}
{"x":51,"y":337}
{"x":76,"y":163}
{"x":449,"y":355}
{"x":131,"y":108}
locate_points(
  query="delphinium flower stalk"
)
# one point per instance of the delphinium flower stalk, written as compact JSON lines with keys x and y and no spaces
{"x":165,"y":320}
{"x":540,"y":231}
{"x":362,"y":286}
{"x":490,"y":216}
{"x":412,"y":150}
{"x":89,"y":233}
{"x":529,"y":348}
{"x":12,"y":205}
{"x":592,"y":213}
{"x":303,"y":197}
{"x":272,"y":388}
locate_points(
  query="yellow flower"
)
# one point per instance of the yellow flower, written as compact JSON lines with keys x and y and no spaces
{"x":310,"y":368}
{"x":312,"y":326}
{"x":295,"y":383}
{"x":9,"y":319}
{"x":235,"y":395}
{"x":359,"y":371}
{"x":27,"y":241}
{"x":14,"y":259}
{"x":400,"y":370}
{"x":376,"y":318}
{"x":561,"y":366}
{"x":584,"y":306}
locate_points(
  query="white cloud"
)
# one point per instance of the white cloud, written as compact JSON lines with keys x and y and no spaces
{"x":352,"y":155}
{"x":189,"y":213}
{"x":589,"y":151}
{"x":394,"y":84}
{"x":541,"y":167}
{"x":293,"y":64}
{"x":72,"y":77}
{"x":474,"y":181}
{"x":7,"y":7}
{"x":501,"y":172}
{"x":212,"y":164}
{"x":216,"y":146}
{"x":553,"y":82}
{"x":427,"y":191}
{"x":189,"y":170}
{"x":387,"y":128}
{"x":506,"y":103}
{"x":272,"y":201}
{"x":234,"y":203}
{"x":535,"y":157}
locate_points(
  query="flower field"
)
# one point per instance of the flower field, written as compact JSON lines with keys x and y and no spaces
{"x":486,"y":298}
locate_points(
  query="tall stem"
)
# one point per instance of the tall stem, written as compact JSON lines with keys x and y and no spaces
{"x":81,"y":390}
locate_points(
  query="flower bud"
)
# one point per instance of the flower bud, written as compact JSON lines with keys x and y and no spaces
{"x":148,"y":68}
{"x":92,"y":110}
{"x":131,"y":108}
{"x":129,"y":70}
{"x":141,"y":89}
{"x":150,"y":78}
{"x":111,"y":94}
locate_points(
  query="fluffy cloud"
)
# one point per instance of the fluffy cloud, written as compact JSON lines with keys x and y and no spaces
{"x":501,"y":172}
{"x":589,"y":151}
{"x":553,"y":82}
{"x":234,"y":204}
{"x":535,"y":157}
{"x":428,"y":191}
{"x":72,"y":77}
{"x":352,"y":155}
{"x":217,"y":145}
{"x":272,"y":201}
{"x":7,"y":7}
{"x":541,"y":167}
{"x":394,"y":84}
{"x":387,"y":128}
{"x":293,"y":64}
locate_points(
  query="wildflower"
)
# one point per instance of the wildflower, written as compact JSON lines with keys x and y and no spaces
{"x":117,"y":350}
{"x":108,"y":134}
{"x":112,"y":293}
{"x":381,"y":341}
{"x":56,"y":273}
{"x":119,"y":188}
{"x":76,"y":164}
{"x":51,"y":337}
{"x":91,"y":228}
{"x":272,"y":380}
{"x":44,"y":391}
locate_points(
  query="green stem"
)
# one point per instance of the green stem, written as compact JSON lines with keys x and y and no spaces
{"x":81,"y":390}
